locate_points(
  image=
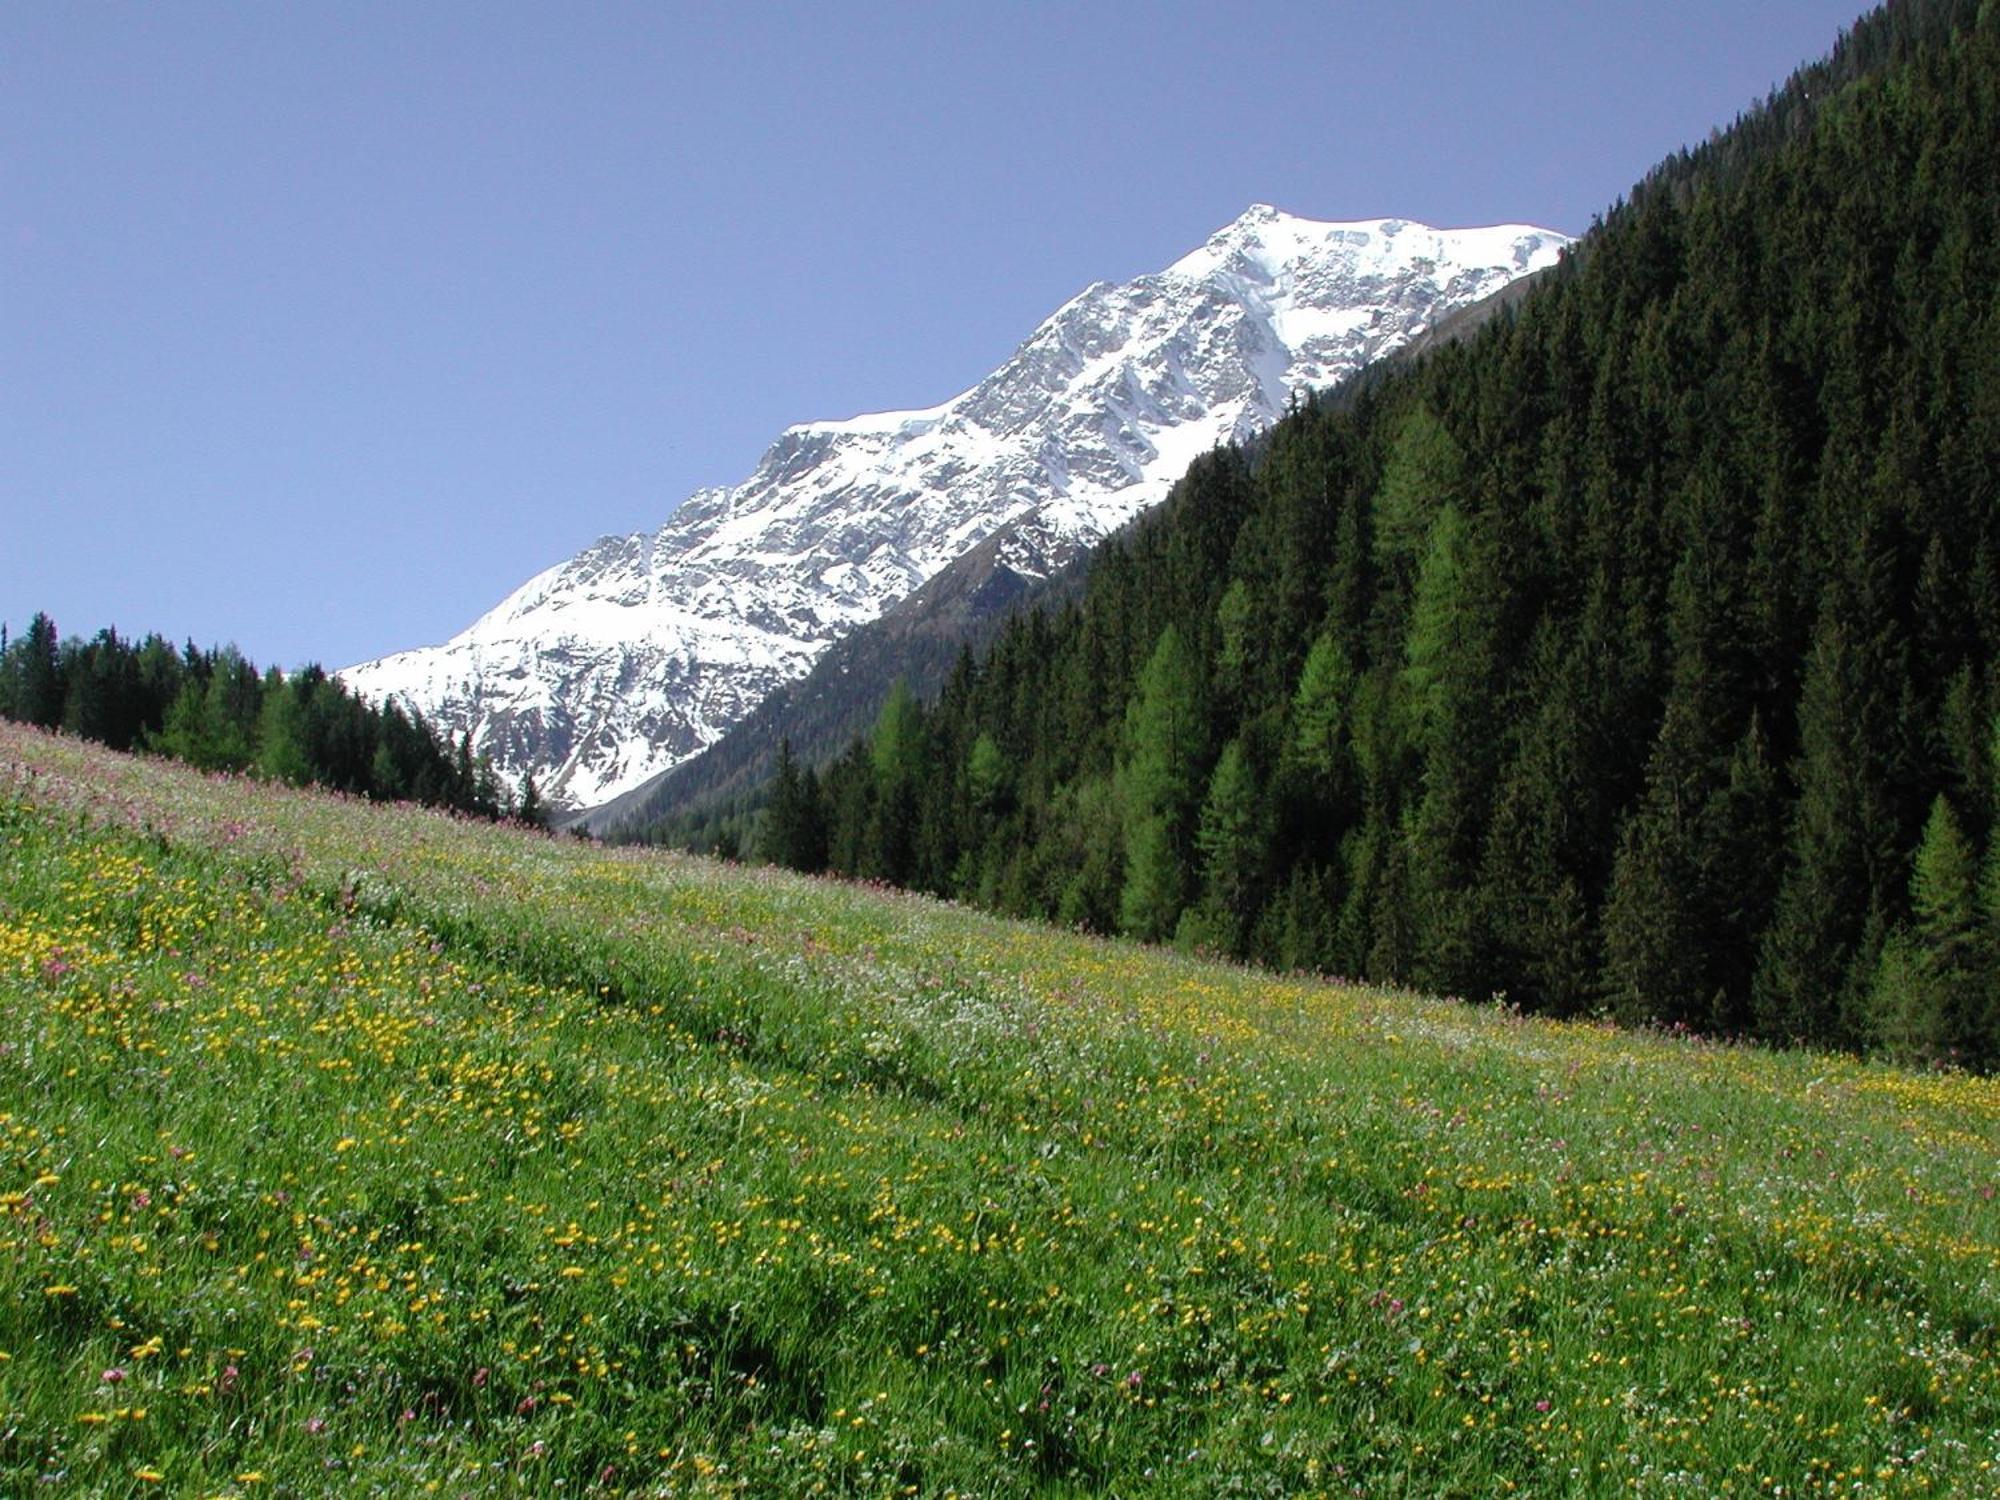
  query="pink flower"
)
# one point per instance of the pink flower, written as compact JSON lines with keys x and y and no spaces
{"x":112,"y":1376}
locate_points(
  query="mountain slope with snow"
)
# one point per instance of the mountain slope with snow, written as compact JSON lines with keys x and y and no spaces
{"x":635,"y":654}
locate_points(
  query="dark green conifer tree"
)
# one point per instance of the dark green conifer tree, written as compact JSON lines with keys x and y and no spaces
{"x":1229,"y":842}
{"x":793,"y":833}
{"x":37,"y":674}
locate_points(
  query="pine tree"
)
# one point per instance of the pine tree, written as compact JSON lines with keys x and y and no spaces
{"x":1983,"y":1023}
{"x":280,"y":754}
{"x":1082,"y":855}
{"x":1443,"y":630}
{"x":1320,"y":708}
{"x":37,"y":675}
{"x":385,"y":776}
{"x":896,"y":755}
{"x":213,"y":719}
{"x":1420,"y":478}
{"x":1230,"y":842}
{"x":530,"y":809}
{"x":794,"y":828}
{"x":1449,"y":692}
{"x":1818,"y":957}
{"x":464,"y":778}
{"x":986,"y":774}
{"x":1165,"y":732}
{"x":1928,"y":991}
{"x":1235,"y":653}
{"x":1944,"y":924}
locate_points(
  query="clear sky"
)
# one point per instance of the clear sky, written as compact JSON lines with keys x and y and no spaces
{"x":323,"y":326}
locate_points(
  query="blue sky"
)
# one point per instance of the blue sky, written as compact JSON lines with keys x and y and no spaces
{"x":324,"y":326}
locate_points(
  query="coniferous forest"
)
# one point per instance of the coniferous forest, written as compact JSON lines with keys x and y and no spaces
{"x":1638,"y":656}
{"x":214,"y":710}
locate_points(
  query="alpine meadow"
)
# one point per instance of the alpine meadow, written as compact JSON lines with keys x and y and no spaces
{"x":357,"y":1150}
{"x":1432,"y":931}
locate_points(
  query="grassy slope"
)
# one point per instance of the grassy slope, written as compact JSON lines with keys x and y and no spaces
{"x":345,"y":1149}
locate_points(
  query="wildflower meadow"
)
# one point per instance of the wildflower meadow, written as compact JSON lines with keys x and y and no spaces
{"x":360,"y":1150}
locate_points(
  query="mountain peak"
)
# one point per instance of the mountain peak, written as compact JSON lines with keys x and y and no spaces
{"x":1266,"y":241}
{"x":640,"y":651}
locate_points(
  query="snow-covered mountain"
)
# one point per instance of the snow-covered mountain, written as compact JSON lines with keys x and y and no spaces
{"x":641,"y":650}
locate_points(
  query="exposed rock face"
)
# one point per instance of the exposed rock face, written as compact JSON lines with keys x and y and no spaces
{"x":641,"y":650}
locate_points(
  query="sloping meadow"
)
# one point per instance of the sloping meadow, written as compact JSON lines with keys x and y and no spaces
{"x":347,"y":1149}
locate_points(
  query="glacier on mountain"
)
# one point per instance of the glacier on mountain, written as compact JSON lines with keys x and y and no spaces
{"x":637,"y":653}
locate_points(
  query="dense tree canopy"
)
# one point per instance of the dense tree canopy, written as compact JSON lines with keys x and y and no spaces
{"x":1635,"y":656}
{"x":214,"y":710}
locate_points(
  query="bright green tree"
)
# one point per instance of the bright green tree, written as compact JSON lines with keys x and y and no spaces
{"x":1165,"y":734}
{"x":1929,"y":1000}
{"x":1320,"y":708}
{"x":280,"y":753}
{"x":1229,"y":840}
{"x":896,"y":755}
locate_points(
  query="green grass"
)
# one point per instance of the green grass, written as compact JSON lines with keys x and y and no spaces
{"x":350,"y":1150}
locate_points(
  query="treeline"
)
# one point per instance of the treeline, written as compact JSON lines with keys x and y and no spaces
{"x":216,"y":711}
{"x":1634,"y":657}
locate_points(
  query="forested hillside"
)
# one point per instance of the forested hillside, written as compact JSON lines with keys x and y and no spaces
{"x":1636,"y":655}
{"x":709,"y":802}
{"x":214,"y":710}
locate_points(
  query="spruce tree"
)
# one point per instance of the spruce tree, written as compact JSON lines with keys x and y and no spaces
{"x":1928,"y":994}
{"x":794,"y":829}
{"x":1229,"y":842}
{"x":37,"y":675}
{"x":280,"y":754}
{"x":1944,"y":925}
{"x":530,"y":809}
